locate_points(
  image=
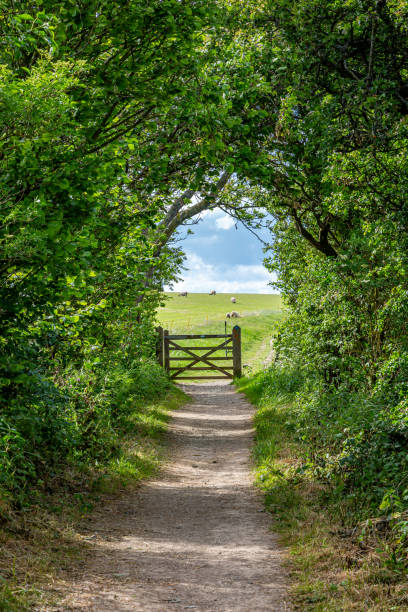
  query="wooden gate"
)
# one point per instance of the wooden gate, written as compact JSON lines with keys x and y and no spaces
{"x":207,"y":360}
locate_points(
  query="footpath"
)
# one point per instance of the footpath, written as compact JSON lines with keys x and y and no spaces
{"x":196,"y":538}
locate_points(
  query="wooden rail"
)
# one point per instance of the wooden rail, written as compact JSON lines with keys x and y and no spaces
{"x":204,"y":362}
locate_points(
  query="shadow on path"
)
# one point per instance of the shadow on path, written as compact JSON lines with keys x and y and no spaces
{"x":196,"y":537}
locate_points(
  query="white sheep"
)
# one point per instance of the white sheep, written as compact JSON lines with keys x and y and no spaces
{"x":233,"y":300}
{"x":232,"y":315}
{"x":183,"y":294}
{"x":213,"y":292}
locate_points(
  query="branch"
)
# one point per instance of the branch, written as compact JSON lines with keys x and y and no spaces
{"x":171,"y":223}
{"x":323,"y":245}
{"x":235,"y":215}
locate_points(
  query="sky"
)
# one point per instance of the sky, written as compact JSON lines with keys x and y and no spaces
{"x":224,"y":256}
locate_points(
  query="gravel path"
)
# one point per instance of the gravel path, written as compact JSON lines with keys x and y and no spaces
{"x":197,"y":537}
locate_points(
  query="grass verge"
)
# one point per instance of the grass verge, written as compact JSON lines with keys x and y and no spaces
{"x":42,"y":540}
{"x":334,"y":565}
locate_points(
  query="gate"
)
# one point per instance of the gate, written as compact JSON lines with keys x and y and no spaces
{"x":203,"y":361}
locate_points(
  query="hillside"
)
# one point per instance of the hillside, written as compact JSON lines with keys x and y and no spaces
{"x":199,"y":309}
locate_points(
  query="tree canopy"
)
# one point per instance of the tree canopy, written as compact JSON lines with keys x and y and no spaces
{"x":122,"y":121}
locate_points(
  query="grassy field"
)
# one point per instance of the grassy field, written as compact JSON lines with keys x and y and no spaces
{"x":200,"y":309}
{"x":204,"y":314}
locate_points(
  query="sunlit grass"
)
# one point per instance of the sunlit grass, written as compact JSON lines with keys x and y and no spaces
{"x":142,"y":448}
{"x":182,"y":314}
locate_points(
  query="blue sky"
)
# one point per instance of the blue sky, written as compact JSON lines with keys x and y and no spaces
{"x":223,"y":256}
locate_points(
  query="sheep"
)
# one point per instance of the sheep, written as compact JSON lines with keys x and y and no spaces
{"x":213,"y":292}
{"x":232,"y":315}
{"x":233,"y":300}
{"x":183,"y":294}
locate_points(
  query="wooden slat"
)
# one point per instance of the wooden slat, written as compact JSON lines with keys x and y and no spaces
{"x":166,"y":350}
{"x":196,"y":336}
{"x":196,"y":348}
{"x":203,"y":358}
{"x":206,"y":358}
{"x":193,"y":369}
{"x":159,"y":346}
{"x":189,"y":358}
{"x":184,"y":347}
{"x":202,"y":377}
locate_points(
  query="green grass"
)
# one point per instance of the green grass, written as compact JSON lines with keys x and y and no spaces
{"x":201,"y":309}
{"x":200,"y":313}
{"x":141,"y":449}
{"x":48,"y":537}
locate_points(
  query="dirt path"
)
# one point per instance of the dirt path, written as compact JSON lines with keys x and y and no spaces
{"x":196,"y":538}
{"x":270,"y":356}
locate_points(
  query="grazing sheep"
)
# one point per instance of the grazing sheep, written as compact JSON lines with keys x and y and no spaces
{"x":213,"y":292}
{"x":183,"y":294}
{"x":232,"y":315}
{"x":233,"y":300}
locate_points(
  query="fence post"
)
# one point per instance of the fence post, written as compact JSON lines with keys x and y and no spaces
{"x":166,"y":351}
{"x":236,"y":351}
{"x":159,"y":345}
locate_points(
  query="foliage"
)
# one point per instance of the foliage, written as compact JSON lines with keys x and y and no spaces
{"x":120,"y":124}
{"x":340,"y":560}
{"x":38,"y":543}
{"x":318,"y":105}
{"x":92,"y":101}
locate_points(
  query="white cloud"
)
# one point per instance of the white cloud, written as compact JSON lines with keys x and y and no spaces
{"x":216,"y":218}
{"x":202,"y":277}
{"x":195,"y":264}
{"x":254,"y":270}
{"x":197,"y":242}
{"x":206,"y":213}
{"x":225,"y":222}
{"x":214,"y":213}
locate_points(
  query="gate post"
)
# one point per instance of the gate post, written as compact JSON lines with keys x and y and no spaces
{"x":236,"y":351}
{"x":159,"y":345}
{"x":166,"y":351}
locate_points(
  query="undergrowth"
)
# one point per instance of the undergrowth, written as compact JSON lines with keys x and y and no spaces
{"x":79,"y":425}
{"x":327,"y":477}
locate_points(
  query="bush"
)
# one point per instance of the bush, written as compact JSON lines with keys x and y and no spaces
{"x":352,"y":442}
{"x":75,"y":418}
